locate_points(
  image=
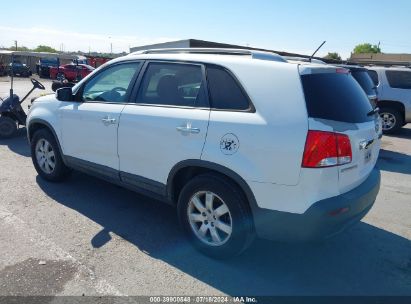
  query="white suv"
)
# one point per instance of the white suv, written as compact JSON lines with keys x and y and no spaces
{"x":243,"y":143}
{"x":394,"y":96}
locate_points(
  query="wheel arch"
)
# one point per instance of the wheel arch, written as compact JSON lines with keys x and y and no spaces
{"x":392,"y":104}
{"x":185,"y":170}
{"x":37,"y":124}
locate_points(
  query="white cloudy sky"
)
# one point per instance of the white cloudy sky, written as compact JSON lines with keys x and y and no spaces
{"x":72,"y":41}
{"x":297,"y":26}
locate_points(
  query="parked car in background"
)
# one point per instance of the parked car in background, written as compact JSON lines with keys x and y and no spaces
{"x":96,"y":61}
{"x":44,"y":65}
{"x":71,"y":72}
{"x":394,"y":95}
{"x":3,"y":70}
{"x":243,"y":143}
{"x":364,"y":79}
{"x":18,"y":69}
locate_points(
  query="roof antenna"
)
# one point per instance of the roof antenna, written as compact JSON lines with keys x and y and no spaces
{"x":311,"y":57}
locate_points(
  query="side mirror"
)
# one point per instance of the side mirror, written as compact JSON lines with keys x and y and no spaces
{"x":64,"y":94}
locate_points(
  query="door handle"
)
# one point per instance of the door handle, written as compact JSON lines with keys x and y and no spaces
{"x":188,"y":129}
{"x":108,"y":120}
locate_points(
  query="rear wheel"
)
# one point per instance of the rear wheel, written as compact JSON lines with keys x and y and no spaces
{"x":215,"y":216}
{"x":8,"y":127}
{"x":391,"y":119}
{"x":46,"y":156}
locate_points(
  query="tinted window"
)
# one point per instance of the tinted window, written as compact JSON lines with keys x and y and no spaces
{"x":172,"y":84}
{"x":225,"y":92}
{"x":335,"y":97}
{"x":365,"y":81}
{"x":111,"y":84}
{"x":374,"y":76}
{"x":399,"y":79}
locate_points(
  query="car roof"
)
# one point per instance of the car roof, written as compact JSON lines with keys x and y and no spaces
{"x":254,"y":54}
{"x":224,"y":57}
{"x":303,"y":59}
{"x":391,"y":68}
{"x":352,"y":67}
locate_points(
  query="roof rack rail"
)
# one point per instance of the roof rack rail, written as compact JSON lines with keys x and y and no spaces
{"x":241,"y":52}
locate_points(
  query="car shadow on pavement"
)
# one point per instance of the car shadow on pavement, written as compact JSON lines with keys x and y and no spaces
{"x":394,"y":162}
{"x":18,"y":144}
{"x":364,"y":260}
{"x":401,"y":133}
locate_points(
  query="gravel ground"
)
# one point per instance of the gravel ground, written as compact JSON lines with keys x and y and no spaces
{"x":88,"y":237}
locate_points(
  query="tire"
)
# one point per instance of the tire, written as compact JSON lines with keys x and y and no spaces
{"x":8,"y":127}
{"x":60,"y":77}
{"x":238,"y":216}
{"x":392,"y":120}
{"x":45,"y":139}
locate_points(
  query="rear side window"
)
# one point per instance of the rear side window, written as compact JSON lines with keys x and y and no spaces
{"x":374,"y":76}
{"x":225,"y":91}
{"x":173,"y":84}
{"x":399,"y":79}
{"x":365,"y":81}
{"x":337,"y":97}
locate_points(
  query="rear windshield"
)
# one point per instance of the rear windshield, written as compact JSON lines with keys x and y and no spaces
{"x":365,"y":81}
{"x":335,"y":96}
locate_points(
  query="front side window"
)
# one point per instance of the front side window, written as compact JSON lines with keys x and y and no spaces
{"x":399,"y":79}
{"x":111,"y":84}
{"x":173,"y":84}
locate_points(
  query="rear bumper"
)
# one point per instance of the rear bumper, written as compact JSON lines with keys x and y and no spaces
{"x":323,"y":219}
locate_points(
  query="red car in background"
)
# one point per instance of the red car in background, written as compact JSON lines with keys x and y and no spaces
{"x":71,"y":72}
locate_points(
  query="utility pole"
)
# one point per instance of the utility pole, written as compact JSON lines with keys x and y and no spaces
{"x":15,"y":43}
{"x":111,"y":45}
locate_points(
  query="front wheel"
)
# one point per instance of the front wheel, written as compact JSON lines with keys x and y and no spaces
{"x":46,"y":157}
{"x":215,"y":216}
{"x":60,"y":77}
{"x":8,"y":127}
{"x":391,"y":119}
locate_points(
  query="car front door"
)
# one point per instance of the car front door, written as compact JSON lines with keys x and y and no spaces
{"x":167,"y":123}
{"x":89,"y":125}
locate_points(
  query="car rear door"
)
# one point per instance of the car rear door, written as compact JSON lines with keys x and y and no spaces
{"x":167,"y":123}
{"x":337,"y":103}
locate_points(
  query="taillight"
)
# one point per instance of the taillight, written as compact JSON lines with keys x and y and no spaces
{"x":326,"y":149}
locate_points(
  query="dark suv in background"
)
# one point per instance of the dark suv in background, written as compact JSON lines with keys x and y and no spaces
{"x":44,"y":65}
{"x":18,"y":68}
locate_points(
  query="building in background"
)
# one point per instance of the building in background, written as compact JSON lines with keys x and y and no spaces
{"x":381,"y":59}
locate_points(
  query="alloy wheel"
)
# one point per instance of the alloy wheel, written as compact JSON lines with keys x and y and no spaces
{"x":45,"y":156}
{"x":209,"y":218}
{"x":388,"y":121}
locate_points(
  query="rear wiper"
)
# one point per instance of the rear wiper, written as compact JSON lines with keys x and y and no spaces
{"x":373,"y":112}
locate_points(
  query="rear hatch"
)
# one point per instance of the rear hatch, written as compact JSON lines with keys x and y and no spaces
{"x":336,"y":103}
